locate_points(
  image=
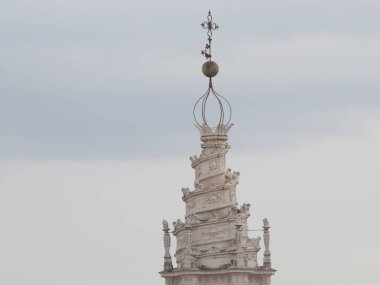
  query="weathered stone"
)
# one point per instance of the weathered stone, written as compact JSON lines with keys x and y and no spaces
{"x":212,"y":245}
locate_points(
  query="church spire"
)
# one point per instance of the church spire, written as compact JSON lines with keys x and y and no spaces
{"x":210,"y":69}
{"x":213,"y":243}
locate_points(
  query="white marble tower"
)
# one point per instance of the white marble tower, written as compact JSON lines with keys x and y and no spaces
{"x":212,"y":243}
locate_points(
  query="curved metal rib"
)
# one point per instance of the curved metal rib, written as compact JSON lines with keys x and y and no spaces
{"x":203,"y":100}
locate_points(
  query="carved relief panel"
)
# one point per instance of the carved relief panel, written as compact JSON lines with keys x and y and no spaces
{"x":220,"y":231}
{"x":208,"y":201}
{"x":215,"y":232}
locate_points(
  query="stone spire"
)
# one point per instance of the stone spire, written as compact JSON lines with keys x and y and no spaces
{"x":212,"y":243}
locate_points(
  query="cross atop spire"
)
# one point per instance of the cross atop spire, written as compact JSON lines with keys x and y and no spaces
{"x":213,"y":245}
{"x":210,"y":26}
{"x":222,"y":108}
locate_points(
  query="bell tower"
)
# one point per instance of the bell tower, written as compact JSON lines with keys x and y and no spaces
{"x":212,"y":243}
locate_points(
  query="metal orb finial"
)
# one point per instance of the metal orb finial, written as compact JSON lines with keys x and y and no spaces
{"x":210,"y":69}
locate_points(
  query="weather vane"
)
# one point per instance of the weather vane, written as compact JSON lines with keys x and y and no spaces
{"x":210,"y":69}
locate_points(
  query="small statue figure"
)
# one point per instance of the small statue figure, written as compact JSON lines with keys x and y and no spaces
{"x":178,"y":224}
{"x":193,"y":158}
{"x":245,"y":208}
{"x":257,"y":242}
{"x":254,"y":243}
{"x":165,"y":226}
{"x":185,"y":191}
{"x":266,"y":223}
{"x":232,"y":177}
{"x":228,"y":175}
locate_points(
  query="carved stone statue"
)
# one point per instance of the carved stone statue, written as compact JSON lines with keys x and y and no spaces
{"x":178,"y":224}
{"x":232,"y":177}
{"x":228,"y":175}
{"x":185,"y":191}
{"x":254,"y":243}
{"x":245,"y":208}
{"x":266,"y":223}
{"x":193,"y":158}
{"x":165,"y":226}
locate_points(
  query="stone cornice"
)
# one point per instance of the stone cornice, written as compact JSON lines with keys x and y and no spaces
{"x":226,"y":205}
{"x":197,"y":161}
{"x":212,"y":189}
{"x":215,"y":222}
{"x":251,"y":271}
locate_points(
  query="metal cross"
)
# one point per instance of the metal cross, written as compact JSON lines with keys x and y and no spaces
{"x":210,"y":26}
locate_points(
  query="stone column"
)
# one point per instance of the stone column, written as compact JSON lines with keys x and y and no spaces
{"x":168,"y":266}
{"x":267,"y":255}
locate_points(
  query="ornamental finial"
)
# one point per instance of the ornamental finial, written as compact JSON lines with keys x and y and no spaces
{"x":210,"y":26}
{"x":210,"y":69}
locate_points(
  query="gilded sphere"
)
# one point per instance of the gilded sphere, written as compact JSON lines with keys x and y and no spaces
{"x":210,"y":68}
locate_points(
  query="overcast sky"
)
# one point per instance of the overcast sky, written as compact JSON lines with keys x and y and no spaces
{"x":96,"y":129}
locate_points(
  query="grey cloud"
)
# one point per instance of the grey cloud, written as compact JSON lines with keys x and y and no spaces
{"x":101,"y":80}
